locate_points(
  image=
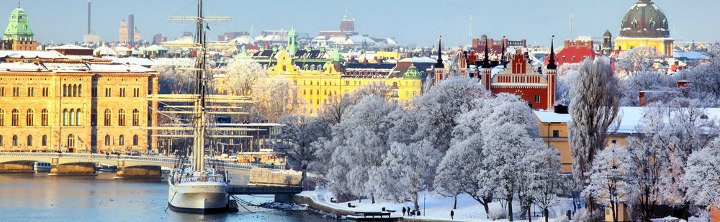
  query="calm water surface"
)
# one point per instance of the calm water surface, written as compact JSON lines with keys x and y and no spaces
{"x":39,"y":197}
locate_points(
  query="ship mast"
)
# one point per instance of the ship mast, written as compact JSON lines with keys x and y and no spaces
{"x":199,"y":131}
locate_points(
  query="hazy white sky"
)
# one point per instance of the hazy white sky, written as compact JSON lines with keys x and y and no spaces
{"x":408,"y":21}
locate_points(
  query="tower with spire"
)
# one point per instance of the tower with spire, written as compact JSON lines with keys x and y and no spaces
{"x":551,"y":76}
{"x":486,"y":69}
{"x":439,"y":67}
{"x":18,"y":34}
{"x":292,"y":45}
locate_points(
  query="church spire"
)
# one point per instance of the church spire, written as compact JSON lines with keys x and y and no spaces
{"x":439,"y":63}
{"x":486,"y":60}
{"x":551,"y":61}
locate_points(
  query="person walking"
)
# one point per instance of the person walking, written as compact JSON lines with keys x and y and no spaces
{"x":403,"y":211}
{"x":452,"y":215}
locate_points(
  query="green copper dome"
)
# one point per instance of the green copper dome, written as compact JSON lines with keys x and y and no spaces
{"x":18,"y":27}
{"x":292,"y":45}
{"x":412,"y":73}
{"x":336,"y":56}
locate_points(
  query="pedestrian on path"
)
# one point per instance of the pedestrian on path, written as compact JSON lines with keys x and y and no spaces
{"x":452,"y":215}
{"x":403,"y":211}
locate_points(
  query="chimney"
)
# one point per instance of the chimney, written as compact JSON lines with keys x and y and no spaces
{"x":131,"y":29}
{"x":89,"y":31}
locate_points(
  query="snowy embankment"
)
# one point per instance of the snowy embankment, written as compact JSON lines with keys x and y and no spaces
{"x":436,"y":206}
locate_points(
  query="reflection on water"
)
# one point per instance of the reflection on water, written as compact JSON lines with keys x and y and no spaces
{"x":39,"y":197}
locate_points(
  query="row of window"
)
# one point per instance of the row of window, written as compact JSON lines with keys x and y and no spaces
{"x":30,"y":91}
{"x":121,"y":93}
{"x":70,"y":140}
{"x":72,"y":90}
{"x":29,"y":118}
{"x":71,"y":117}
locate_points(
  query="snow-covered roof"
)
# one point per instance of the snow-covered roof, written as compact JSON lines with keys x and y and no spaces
{"x":630,"y":118}
{"x":21,"y":67}
{"x":32,"y":54}
{"x":552,"y":117}
{"x":689,"y":55}
{"x":67,"y":46}
{"x":423,"y":59}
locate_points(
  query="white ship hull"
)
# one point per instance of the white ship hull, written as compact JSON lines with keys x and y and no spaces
{"x":198,"y":197}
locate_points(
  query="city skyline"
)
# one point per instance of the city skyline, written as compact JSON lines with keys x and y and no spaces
{"x":521,"y":19}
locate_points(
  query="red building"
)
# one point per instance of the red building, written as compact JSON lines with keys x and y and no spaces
{"x":574,"y":52}
{"x":517,"y":76}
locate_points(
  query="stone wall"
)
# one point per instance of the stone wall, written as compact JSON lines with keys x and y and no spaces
{"x":267,"y":176}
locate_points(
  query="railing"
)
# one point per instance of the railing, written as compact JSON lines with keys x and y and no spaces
{"x":158,"y":159}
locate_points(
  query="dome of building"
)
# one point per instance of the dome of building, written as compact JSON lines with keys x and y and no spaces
{"x":644,"y":20}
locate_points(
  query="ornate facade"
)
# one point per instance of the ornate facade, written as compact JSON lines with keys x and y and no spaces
{"x":59,"y":104}
{"x":645,"y":24}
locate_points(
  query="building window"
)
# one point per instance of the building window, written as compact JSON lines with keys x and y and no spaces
{"x":537,"y":98}
{"x":107,"y":140}
{"x":71,"y":141}
{"x":70,"y":117}
{"x":136,"y":117}
{"x":2,"y":117}
{"x":556,"y":133}
{"x":94,"y":92}
{"x":122,"y":92}
{"x":108,"y":117}
{"x":121,"y":140}
{"x":108,"y":92}
{"x":31,"y":92}
{"x":135,"y":140}
{"x":45,"y":92}
{"x":15,"y":140}
{"x":79,"y":91}
{"x":44,"y":117}
{"x":29,"y":117}
{"x":93,"y":118}
{"x":77,"y":117}
{"x":64,"y":90}
{"x":44,"y":140}
{"x":614,"y":141}
{"x":15,"y":117}
{"x":2,"y":91}
{"x":1,"y":141}
{"x":121,"y":117}
{"x":16,"y":91}
{"x":64,"y":117}
{"x":29,"y":140}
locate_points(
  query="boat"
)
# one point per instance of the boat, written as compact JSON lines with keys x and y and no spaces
{"x":195,"y":188}
{"x":41,"y":167}
{"x":105,"y":167}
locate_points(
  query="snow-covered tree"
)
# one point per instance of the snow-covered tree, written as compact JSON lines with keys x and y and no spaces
{"x":610,"y":179}
{"x":409,"y":169}
{"x":545,"y":182}
{"x":658,"y":86}
{"x":637,"y":59}
{"x":242,"y":74}
{"x":361,"y":140}
{"x":273,"y":97}
{"x":566,"y":74}
{"x":439,"y":107}
{"x":593,"y":108}
{"x":298,"y":134}
{"x":702,"y":177}
{"x":174,"y":78}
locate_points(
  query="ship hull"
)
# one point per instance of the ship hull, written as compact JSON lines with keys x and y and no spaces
{"x":198,"y":197}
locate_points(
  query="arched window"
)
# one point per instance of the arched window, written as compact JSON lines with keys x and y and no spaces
{"x":2,"y":117}
{"x":30,"y":117}
{"x":135,"y":140}
{"x":121,"y":117}
{"x":79,"y":90}
{"x":15,"y":117}
{"x":71,"y":141}
{"x":107,"y":140}
{"x":44,"y":140}
{"x":64,"y":90}
{"x":121,"y":140}
{"x":136,"y":117}
{"x":108,"y":117}
{"x":77,"y":117}
{"x":15,"y":140}
{"x":29,"y":140}
{"x":44,"y":117}
{"x":64,"y":117}
{"x":1,"y":141}
{"x":74,"y":90}
{"x":70,"y":117}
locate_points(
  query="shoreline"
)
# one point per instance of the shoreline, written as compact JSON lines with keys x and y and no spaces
{"x":340,"y":214}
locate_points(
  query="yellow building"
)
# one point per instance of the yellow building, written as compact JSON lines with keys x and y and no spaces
{"x":51,"y":103}
{"x":318,"y":86}
{"x":645,"y":24}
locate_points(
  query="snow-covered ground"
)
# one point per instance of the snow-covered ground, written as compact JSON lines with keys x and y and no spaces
{"x":437,"y":207}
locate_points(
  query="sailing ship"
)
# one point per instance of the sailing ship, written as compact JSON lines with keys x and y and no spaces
{"x":194,"y":187}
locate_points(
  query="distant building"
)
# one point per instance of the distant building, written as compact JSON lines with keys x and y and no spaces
{"x":496,"y":48}
{"x":159,"y":38}
{"x":607,"y":44}
{"x":574,"y":52}
{"x":645,"y":24}
{"x":18,"y":34}
{"x":124,"y":33}
{"x":347,"y":24}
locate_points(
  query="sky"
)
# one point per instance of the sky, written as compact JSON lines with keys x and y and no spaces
{"x":407,"y":21}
